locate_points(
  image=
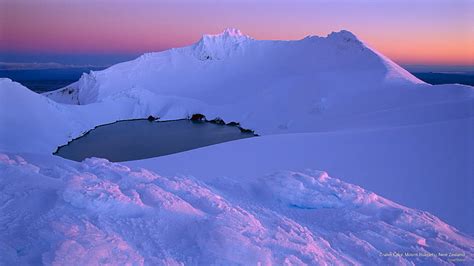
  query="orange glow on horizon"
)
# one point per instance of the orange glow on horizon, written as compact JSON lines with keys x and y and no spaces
{"x":410,"y":32}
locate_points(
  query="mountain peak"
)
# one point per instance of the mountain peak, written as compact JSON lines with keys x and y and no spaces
{"x":344,"y":35}
{"x":232,"y":32}
{"x":220,"y":46}
{"x":228,"y":33}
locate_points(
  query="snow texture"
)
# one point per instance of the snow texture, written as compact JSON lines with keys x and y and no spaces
{"x":66,"y":213}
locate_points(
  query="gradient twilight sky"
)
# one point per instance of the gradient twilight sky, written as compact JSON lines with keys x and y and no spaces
{"x":407,"y":31}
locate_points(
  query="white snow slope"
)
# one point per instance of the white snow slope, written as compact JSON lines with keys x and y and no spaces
{"x":329,"y":103}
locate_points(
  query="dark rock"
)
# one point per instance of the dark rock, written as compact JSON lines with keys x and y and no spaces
{"x":244,"y":130}
{"x":234,"y":124}
{"x":217,"y":121}
{"x":198,"y":117}
{"x":151,"y":118}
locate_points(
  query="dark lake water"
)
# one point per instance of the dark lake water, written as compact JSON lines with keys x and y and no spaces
{"x":140,"y":139}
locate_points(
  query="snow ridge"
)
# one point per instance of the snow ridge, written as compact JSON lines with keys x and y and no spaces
{"x":341,"y":53}
{"x":82,"y":213}
{"x":220,"y":46}
{"x":344,"y":36}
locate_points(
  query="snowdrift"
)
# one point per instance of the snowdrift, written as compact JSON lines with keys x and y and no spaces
{"x":426,"y":166}
{"x":83,"y":213}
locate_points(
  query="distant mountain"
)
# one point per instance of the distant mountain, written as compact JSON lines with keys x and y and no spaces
{"x":232,"y":66}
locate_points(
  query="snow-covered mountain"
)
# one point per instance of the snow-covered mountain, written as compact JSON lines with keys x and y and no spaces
{"x":230,"y":65}
{"x":67,"y":213}
{"x":330,"y":103}
{"x":268,"y":86}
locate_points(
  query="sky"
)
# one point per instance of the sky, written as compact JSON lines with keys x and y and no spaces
{"x":424,"y":32}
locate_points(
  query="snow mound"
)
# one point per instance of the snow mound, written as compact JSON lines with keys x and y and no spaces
{"x":81,"y":213}
{"x":33,"y":123}
{"x":24,"y":113}
{"x":315,"y":191}
{"x":215,"y":62}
